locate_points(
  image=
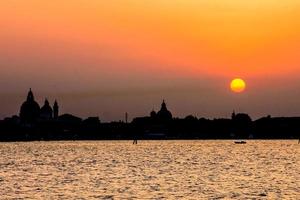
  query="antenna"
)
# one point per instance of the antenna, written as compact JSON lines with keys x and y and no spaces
{"x":126,"y":117}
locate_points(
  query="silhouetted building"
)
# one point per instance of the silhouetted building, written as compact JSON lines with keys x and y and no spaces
{"x":46,"y":111}
{"x":233,"y":115}
{"x":242,"y":125}
{"x":69,"y":122}
{"x":55,"y":110}
{"x":153,"y":114}
{"x":35,"y":123}
{"x":30,"y":109}
{"x":164,"y":114}
{"x":69,"y":119}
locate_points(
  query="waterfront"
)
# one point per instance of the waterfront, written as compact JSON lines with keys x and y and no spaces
{"x":150,"y":170}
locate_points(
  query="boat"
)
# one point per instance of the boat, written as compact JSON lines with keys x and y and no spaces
{"x":240,"y":142}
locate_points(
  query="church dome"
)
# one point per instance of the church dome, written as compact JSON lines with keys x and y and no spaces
{"x":164,"y":113}
{"x":46,"y":110}
{"x":30,"y":109}
{"x":153,"y":114}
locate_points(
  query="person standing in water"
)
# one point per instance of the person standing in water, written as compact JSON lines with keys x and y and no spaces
{"x":135,"y":141}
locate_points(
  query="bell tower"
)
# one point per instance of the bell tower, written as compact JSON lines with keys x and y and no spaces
{"x":55,"y":110}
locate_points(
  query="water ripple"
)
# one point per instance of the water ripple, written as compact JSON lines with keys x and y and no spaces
{"x":150,"y":170}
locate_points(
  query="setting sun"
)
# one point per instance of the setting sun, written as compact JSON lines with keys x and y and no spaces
{"x":238,"y":85}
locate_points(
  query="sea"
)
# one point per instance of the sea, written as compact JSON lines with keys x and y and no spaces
{"x":173,"y":169}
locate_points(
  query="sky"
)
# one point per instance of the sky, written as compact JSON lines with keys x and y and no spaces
{"x":105,"y":58}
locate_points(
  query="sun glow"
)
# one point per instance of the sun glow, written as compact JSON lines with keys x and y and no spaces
{"x":238,"y":85}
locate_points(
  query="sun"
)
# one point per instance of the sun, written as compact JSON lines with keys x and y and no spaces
{"x":238,"y":85}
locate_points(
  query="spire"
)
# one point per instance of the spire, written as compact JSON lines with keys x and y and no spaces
{"x":30,"y":96}
{"x":163,"y":105}
{"x":46,"y":102}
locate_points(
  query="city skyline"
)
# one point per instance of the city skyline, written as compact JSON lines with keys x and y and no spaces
{"x":48,"y":111}
{"x":46,"y":122}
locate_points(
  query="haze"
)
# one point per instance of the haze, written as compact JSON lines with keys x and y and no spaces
{"x":105,"y":58}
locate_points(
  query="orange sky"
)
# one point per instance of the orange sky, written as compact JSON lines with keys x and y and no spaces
{"x":94,"y":47}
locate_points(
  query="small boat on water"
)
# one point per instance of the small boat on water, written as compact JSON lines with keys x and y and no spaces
{"x":240,"y":142}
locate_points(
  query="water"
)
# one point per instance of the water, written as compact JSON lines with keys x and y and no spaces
{"x":150,"y":170}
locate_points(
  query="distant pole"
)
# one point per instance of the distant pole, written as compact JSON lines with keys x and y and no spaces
{"x":126,"y":117}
